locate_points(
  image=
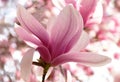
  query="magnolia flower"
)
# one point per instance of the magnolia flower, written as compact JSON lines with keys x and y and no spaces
{"x":90,"y":10}
{"x":59,"y":43}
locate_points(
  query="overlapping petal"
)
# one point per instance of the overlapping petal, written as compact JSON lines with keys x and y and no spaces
{"x":86,"y":58}
{"x":26,"y":36}
{"x":26,"y":64}
{"x":32,"y":25}
{"x":66,"y":31}
{"x":82,"y":42}
{"x":44,"y":53}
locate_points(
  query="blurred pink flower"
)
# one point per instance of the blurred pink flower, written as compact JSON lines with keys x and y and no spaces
{"x":90,"y":10}
{"x":61,"y":42}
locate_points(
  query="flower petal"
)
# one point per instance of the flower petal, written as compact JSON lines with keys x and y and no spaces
{"x":26,"y":64}
{"x":44,"y":53}
{"x":32,"y":25}
{"x":73,"y":2}
{"x":66,"y":31}
{"x":97,"y":15}
{"x":82,"y":42}
{"x":86,"y":58}
{"x":87,"y":7}
{"x":23,"y":34}
{"x":58,"y":4}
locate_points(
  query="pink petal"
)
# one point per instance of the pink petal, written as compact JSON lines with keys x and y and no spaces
{"x":50,"y":24}
{"x":66,"y":31}
{"x":23,"y":34}
{"x":97,"y":15}
{"x":82,"y":42}
{"x":86,"y":58}
{"x":26,"y":64}
{"x":87,"y":7}
{"x":32,"y":25}
{"x":44,"y":53}
{"x":71,"y":2}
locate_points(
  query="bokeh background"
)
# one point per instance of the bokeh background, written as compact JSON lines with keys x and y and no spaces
{"x":104,"y":39}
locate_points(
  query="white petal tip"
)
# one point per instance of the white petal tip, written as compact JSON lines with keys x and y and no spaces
{"x":104,"y":61}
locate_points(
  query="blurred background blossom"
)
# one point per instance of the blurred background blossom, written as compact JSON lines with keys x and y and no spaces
{"x":104,"y":39}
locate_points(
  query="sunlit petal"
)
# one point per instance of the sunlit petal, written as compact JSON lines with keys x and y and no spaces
{"x":86,"y":58}
{"x":26,"y":36}
{"x":26,"y":64}
{"x":82,"y":42}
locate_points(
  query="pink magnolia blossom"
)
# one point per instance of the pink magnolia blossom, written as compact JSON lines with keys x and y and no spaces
{"x":59,"y":43}
{"x":90,"y":10}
